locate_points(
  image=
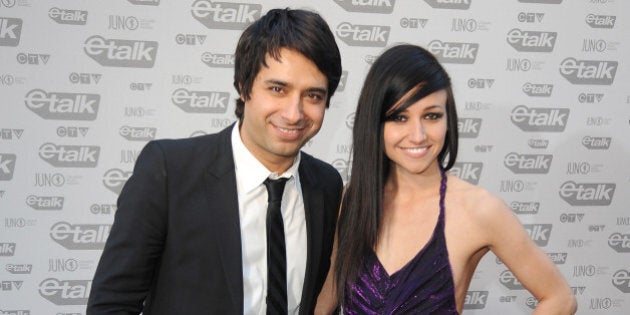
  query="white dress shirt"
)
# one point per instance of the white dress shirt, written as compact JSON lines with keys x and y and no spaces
{"x":252,"y":205}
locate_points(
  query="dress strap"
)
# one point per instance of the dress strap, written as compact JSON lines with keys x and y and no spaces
{"x":442,"y":192}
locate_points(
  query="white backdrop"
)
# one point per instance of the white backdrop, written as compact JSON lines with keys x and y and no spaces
{"x":542,"y":89}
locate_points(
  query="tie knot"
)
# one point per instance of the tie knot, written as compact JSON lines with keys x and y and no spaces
{"x":275,"y":188}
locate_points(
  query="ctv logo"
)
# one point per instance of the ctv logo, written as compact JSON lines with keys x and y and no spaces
{"x":590,"y":97}
{"x":479,"y":83}
{"x":225,"y":15}
{"x":451,"y":52}
{"x":363,"y":35}
{"x":10,"y":31}
{"x":367,"y":6}
{"x":413,"y":22}
{"x":121,"y":52}
{"x":190,"y":39}
{"x":211,"y":102}
{"x":11,"y":285}
{"x":530,"y":17}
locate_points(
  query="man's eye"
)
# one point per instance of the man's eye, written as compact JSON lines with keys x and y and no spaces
{"x":315,"y":96}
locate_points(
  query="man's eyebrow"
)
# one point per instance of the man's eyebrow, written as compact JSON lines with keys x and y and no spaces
{"x":277,"y":82}
{"x":283,"y":83}
{"x":318,"y":90}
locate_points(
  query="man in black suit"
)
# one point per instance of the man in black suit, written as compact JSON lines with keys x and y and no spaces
{"x":189,"y":233}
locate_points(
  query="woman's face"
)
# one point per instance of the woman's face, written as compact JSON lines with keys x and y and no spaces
{"x":414,"y":138}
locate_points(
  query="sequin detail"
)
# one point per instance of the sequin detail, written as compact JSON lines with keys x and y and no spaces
{"x":423,"y":286}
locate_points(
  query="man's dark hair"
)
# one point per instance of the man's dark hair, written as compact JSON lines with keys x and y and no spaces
{"x":303,"y":31}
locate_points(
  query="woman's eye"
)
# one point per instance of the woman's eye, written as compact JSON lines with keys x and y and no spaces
{"x":397,"y":118}
{"x":434,"y":116}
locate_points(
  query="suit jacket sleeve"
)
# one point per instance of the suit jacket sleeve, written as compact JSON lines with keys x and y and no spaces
{"x":132,"y":252}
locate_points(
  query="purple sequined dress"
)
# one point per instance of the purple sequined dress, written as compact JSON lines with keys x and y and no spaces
{"x":423,"y":286}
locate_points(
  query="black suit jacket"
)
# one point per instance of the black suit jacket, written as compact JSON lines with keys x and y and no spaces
{"x":175,"y":245}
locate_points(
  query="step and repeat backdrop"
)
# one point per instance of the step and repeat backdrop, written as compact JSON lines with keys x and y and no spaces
{"x":542,"y":90}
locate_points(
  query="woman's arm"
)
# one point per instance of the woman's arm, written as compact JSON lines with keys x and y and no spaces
{"x":530,"y":265}
{"x":327,"y":299}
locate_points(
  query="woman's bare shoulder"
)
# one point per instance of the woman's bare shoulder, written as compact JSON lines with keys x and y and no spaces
{"x":476,"y":202}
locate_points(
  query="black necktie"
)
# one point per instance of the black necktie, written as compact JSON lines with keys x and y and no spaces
{"x":276,"y":254}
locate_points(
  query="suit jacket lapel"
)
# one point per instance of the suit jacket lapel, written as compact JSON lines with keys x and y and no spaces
{"x":223,"y":198}
{"x":313,"y":202}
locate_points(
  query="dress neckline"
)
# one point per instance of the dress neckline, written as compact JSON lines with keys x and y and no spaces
{"x":438,"y":224}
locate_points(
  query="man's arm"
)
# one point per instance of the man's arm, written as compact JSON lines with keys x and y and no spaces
{"x":129,"y":260}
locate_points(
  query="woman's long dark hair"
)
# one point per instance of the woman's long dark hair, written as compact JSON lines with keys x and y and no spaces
{"x":397,"y":71}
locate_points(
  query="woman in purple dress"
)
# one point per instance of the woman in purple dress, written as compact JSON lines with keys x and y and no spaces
{"x":409,"y":235}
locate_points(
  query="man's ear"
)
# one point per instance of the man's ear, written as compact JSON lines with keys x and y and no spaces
{"x":241,"y":96}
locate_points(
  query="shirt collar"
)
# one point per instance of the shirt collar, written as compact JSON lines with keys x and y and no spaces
{"x":250,"y":172}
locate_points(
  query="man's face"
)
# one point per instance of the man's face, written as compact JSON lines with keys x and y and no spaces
{"x":285,"y":109}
